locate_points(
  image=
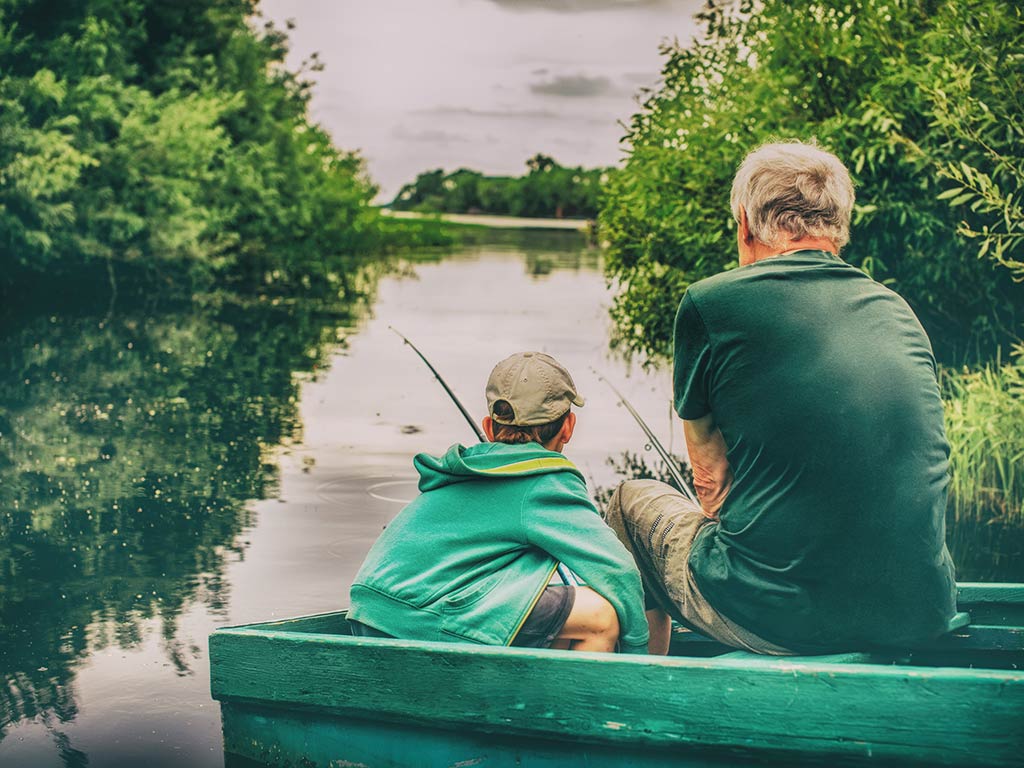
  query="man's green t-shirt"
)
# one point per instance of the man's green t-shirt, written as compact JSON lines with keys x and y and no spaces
{"x":823,"y":384}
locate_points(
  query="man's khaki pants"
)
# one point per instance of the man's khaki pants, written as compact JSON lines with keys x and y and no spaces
{"x":658,"y":525}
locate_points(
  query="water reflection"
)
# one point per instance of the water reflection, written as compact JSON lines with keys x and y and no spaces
{"x":129,"y":446}
{"x":986,"y":548}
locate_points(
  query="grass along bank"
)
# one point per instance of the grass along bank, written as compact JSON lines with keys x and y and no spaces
{"x":985,"y":426}
{"x":491,"y":222}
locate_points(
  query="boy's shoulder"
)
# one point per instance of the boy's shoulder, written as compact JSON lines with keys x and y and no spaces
{"x":491,"y":461}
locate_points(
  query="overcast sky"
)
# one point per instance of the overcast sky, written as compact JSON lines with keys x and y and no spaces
{"x":483,"y":84}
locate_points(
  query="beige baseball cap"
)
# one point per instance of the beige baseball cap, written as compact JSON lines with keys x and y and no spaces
{"x":537,"y":387}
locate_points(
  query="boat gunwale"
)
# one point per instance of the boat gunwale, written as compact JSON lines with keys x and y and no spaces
{"x":1001,"y":638}
{"x":968,"y":593}
{"x":762,"y":663}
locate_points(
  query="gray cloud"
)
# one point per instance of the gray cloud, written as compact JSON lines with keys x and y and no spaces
{"x":641,"y":78}
{"x":574,"y":86}
{"x":513,"y":114}
{"x":501,"y":114}
{"x":581,"y":6}
{"x":427,"y":136}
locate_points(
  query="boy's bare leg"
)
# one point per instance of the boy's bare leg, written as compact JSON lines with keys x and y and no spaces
{"x":592,"y":625}
{"x":660,"y":626}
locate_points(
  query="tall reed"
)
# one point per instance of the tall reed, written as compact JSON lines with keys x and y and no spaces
{"x":985,"y":426}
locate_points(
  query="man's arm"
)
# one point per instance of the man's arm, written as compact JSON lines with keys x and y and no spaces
{"x":712,"y":476}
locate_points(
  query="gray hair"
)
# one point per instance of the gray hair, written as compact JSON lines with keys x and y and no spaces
{"x":794,"y":188}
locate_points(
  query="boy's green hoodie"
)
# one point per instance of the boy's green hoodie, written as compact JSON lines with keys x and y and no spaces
{"x":468,"y":558}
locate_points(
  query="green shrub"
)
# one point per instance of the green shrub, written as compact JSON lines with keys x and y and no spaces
{"x":922,"y":100}
{"x":168,"y":137}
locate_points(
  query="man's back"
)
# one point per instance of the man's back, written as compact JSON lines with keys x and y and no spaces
{"x":822,"y":383}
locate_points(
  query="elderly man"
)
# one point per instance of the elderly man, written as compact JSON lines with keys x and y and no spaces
{"x":814,"y":428}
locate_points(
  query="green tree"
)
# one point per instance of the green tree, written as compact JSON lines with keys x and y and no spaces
{"x":168,"y":138}
{"x":975,"y":81}
{"x":865,"y":79}
{"x":540,"y":163}
{"x":41,"y":166}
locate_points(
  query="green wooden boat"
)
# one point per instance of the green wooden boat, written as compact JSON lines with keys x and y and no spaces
{"x":303,"y":692}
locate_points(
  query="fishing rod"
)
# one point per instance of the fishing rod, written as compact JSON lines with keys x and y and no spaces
{"x":447,"y":389}
{"x":673,"y":467}
{"x":567,"y":576}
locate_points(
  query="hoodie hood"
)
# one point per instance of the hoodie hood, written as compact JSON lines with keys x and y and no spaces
{"x":488,"y":460}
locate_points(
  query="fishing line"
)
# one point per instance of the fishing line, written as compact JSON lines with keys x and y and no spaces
{"x":462,"y":410}
{"x":652,"y":441}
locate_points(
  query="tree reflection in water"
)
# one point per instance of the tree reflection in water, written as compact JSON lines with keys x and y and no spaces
{"x":129,"y":446}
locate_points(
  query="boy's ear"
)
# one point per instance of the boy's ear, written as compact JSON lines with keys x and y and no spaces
{"x":568,"y":426}
{"x":488,"y":425}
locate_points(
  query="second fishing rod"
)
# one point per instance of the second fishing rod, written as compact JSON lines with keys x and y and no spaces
{"x":670,"y":463}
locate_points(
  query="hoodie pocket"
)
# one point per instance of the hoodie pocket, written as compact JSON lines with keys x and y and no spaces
{"x":483,"y":611}
{"x":463,"y":598}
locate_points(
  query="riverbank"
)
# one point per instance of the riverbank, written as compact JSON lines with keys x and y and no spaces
{"x":493,"y":222}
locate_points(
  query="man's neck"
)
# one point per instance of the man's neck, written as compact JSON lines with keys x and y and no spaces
{"x":758,"y":251}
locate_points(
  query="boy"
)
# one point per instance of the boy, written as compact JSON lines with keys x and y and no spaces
{"x":472,"y":558}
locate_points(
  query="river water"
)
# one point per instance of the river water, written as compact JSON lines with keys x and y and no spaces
{"x":166,"y":469}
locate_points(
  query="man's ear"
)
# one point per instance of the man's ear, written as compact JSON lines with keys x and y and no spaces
{"x":744,"y":225}
{"x":488,"y":425}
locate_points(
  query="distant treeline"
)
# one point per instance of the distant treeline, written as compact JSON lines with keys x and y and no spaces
{"x":168,"y":138}
{"x":547,"y":190}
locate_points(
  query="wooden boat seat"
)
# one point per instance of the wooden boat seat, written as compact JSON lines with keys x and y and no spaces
{"x":959,"y":620}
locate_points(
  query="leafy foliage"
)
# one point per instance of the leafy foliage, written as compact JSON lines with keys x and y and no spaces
{"x":912,"y":94}
{"x":168,"y":136}
{"x":978,"y":106}
{"x":546,"y":190}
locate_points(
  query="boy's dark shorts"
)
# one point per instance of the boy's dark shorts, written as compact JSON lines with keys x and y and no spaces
{"x":547,"y":617}
{"x":538,"y":631}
